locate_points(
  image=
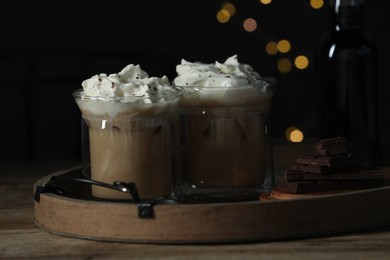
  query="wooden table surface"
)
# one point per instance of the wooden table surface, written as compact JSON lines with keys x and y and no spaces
{"x":21,"y":238}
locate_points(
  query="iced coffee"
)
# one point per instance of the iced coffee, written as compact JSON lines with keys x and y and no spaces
{"x":132,"y":126}
{"x":225,"y":144}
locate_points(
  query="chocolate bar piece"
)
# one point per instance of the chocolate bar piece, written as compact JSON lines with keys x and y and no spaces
{"x":335,"y":161}
{"x":374,"y":174}
{"x":331,"y":146}
{"x":315,"y":160}
{"x":319,"y":169}
{"x":322,"y":186}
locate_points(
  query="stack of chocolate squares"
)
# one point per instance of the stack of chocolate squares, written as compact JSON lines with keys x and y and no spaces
{"x":330,"y":168}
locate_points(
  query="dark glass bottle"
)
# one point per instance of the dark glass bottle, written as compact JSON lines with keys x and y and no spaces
{"x":347,"y":91}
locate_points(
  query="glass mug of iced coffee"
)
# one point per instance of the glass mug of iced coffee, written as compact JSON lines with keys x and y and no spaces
{"x":130,"y":124}
{"x":225,"y":138}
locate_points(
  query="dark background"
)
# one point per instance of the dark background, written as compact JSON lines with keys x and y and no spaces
{"x":47,"y":49}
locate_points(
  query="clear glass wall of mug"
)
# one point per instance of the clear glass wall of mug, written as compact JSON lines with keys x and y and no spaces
{"x":137,"y":144}
{"x":226,"y":143}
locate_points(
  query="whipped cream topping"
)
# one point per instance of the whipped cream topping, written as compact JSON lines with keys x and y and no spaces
{"x":231,"y":83}
{"x":131,"y":81}
{"x":231,"y":73}
{"x":130,"y":90}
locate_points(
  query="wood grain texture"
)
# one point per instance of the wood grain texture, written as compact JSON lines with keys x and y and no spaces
{"x":215,"y":222}
{"x":20,"y":238}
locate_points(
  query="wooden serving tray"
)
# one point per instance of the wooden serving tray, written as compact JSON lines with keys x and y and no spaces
{"x":262,"y":220}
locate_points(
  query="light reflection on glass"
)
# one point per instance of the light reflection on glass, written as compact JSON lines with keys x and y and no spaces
{"x":103,"y":124}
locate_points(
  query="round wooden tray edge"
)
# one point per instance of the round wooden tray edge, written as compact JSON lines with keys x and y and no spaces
{"x":207,"y":223}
